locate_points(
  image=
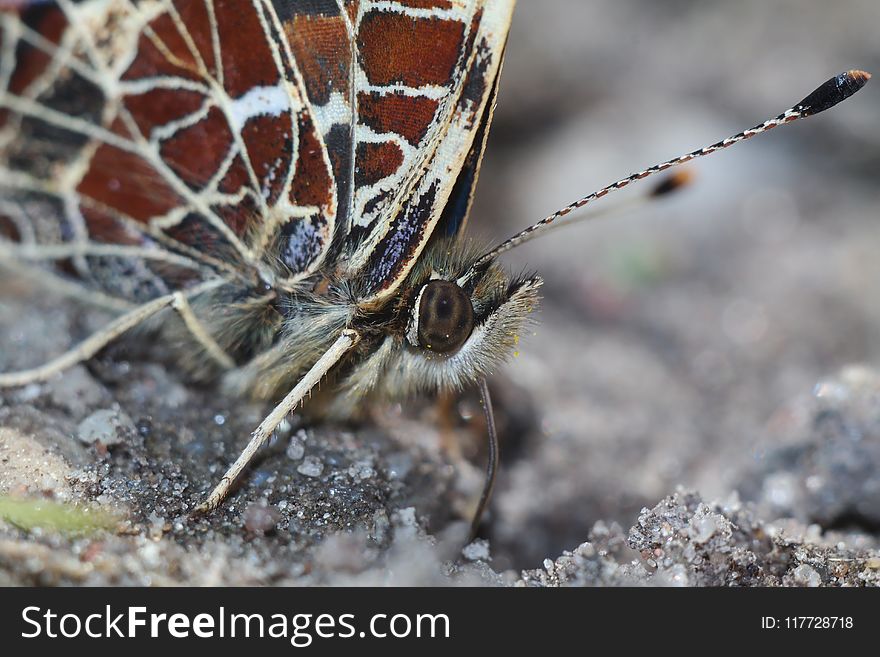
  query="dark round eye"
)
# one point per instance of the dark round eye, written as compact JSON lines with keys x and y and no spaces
{"x":446,"y":317}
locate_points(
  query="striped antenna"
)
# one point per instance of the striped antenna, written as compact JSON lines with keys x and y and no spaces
{"x":834,"y":91}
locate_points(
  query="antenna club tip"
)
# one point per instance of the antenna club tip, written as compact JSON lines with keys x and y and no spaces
{"x":834,"y":91}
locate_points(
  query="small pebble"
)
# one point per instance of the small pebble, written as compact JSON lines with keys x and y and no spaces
{"x":703,"y":528}
{"x":260,"y":518}
{"x":807,"y":576}
{"x":295,"y":449}
{"x":311,"y":467}
{"x":107,"y":426}
{"x":476,"y":551}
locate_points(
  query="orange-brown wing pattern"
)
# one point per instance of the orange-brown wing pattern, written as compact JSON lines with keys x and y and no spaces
{"x":399,"y":104}
{"x":175,"y":126}
{"x":254,"y":138}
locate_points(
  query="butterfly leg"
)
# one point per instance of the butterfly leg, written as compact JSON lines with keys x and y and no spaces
{"x":180,"y":303}
{"x":199,"y":332}
{"x":89,"y":347}
{"x":93,"y":344}
{"x":343,"y":344}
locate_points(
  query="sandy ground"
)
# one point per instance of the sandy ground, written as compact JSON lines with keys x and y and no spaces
{"x":698,"y":405}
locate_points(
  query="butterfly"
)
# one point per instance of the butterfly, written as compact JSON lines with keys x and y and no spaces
{"x":282,"y":185}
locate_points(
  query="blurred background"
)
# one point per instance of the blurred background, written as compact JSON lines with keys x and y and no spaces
{"x":682,"y":344}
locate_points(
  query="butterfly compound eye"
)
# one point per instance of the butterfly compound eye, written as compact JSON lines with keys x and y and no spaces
{"x":446,"y":317}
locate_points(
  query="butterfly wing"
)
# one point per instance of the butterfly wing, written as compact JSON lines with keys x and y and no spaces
{"x":400,"y":91}
{"x":178,"y":132}
{"x":202,"y":138}
{"x":458,"y":206}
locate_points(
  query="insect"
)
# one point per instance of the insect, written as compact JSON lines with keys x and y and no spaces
{"x":283,"y":185}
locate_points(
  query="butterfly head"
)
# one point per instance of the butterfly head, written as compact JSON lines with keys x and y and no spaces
{"x":454,"y":324}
